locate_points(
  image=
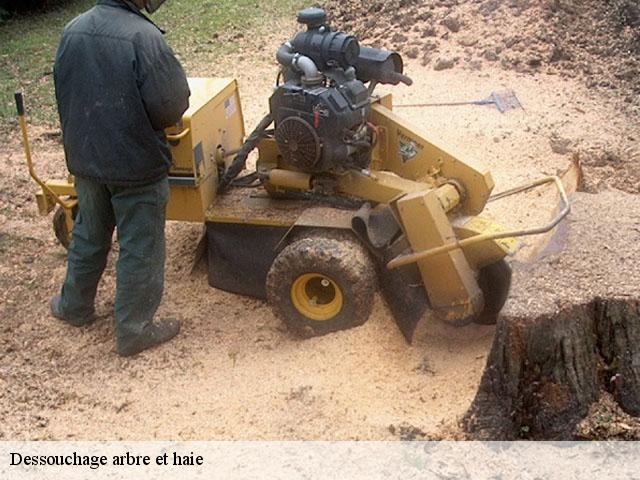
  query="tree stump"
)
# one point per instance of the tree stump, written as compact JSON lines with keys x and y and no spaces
{"x":570,"y":329}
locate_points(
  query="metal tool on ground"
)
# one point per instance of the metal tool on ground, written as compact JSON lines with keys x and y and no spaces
{"x":346,"y":195}
{"x":503,"y":100}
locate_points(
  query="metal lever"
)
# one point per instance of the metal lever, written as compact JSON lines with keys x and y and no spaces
{"x":179,"y":136}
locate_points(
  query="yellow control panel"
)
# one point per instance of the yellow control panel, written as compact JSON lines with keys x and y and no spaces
{"x":211,"y":127}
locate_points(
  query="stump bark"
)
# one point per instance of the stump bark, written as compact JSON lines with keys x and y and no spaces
{"x":570,"y":329}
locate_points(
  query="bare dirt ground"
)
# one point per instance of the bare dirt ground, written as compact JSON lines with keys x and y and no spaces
{"x":234,"y":372}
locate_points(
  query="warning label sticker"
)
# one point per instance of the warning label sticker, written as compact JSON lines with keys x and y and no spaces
{"x":230,"y":107}
{"x":407,"y":148}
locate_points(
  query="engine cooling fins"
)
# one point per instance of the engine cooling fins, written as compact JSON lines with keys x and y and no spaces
{"x":298,"y":143}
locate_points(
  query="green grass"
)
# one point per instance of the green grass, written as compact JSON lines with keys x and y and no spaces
{"x":28,"y":43}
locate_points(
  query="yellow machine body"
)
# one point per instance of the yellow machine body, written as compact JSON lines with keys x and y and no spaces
{"x":434,"y":197}
{"x":426,"y":188}
{"x":212,"y":127}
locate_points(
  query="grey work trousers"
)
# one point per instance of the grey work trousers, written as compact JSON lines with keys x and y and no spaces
{"x":139,"y":215}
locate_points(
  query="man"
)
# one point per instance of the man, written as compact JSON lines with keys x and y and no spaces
{"x":118,"y":86}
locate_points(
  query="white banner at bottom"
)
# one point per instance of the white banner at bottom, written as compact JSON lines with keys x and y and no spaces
{"x":325,"y":460}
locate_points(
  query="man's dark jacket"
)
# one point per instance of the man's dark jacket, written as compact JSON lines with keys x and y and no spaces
{"x":118,"y":86}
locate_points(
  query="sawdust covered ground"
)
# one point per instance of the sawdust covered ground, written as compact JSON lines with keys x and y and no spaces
{"x":234,"y":372}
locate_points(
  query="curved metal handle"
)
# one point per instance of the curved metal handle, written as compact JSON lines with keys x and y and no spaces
{"x":27,"y":152}
{"x":402,"y":260}
{"x":179,"y":136}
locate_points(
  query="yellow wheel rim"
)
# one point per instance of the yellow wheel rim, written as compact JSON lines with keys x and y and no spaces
{"x":316,"y":296}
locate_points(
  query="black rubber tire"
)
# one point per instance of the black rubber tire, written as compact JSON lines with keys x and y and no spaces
{"x":335,"y":255}
{"x":60,"y":226}
{"x":494,"y":280}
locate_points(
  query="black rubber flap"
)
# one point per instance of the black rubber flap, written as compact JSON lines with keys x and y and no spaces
{"x":405,"y":295}
{"x":240,"y":256}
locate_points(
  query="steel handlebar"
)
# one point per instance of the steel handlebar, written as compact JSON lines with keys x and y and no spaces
{"x":402,"y":260}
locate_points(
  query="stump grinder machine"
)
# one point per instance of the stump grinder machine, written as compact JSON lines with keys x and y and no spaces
{"x":346,"y":195}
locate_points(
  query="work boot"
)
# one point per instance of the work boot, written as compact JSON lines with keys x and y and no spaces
{"x":56,"y":311}
{"x":154,"y":335}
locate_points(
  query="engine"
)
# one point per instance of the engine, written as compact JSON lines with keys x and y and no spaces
{"x":321,"y":104}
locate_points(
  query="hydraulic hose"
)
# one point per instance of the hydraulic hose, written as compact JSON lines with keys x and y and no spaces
{"x":248,"y":146}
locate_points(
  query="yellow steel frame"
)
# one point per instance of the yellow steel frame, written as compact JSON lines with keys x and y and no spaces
{"x":211,"y":127}
{"x":404,"y":150}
